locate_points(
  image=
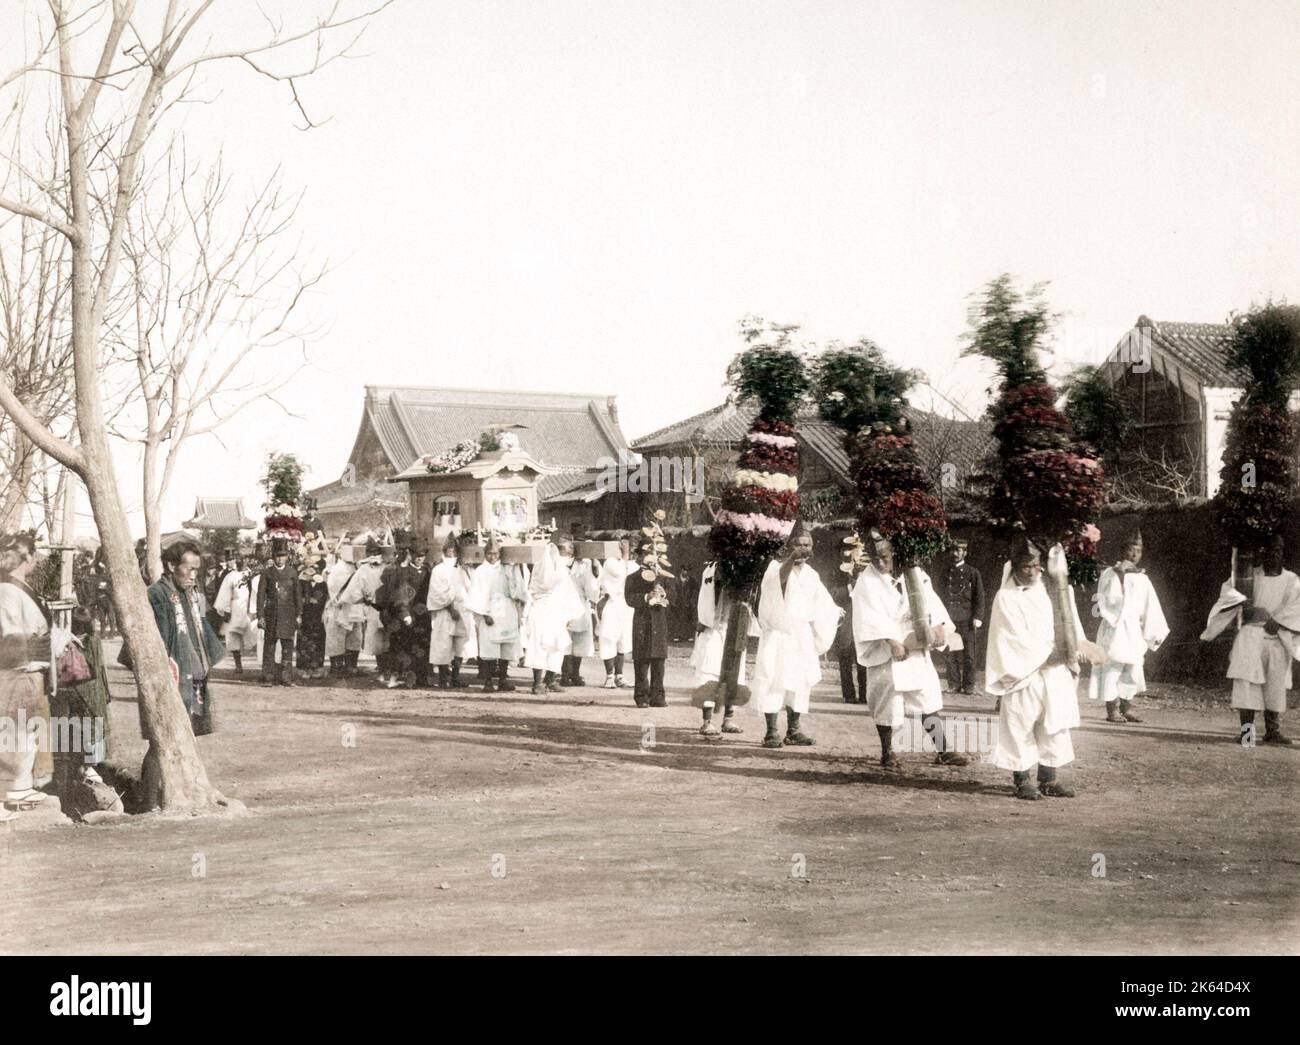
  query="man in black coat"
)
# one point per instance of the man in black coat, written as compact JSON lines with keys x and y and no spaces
{"x":963,"y":596}
{"x":649,"y":600}
{"x":279,"y":608}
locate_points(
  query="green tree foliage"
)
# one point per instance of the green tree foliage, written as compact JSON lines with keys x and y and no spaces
{"x":1096,"y":412}
{"x":855,"y":387}
{"x":769,"y":372}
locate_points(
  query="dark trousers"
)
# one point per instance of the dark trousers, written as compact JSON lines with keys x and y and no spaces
{"x":271,"y":670}
{"x":961,"y":663}
{"x":849,"y":669}
{"x":649,"y":681}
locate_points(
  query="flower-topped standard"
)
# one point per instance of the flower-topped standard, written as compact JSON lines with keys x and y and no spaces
{"x":1258,"y":479}
{"x":1042,"y":480}
{"x":760,"y":507}
{"x":859,"y":390}
{"x":652,"y":556}
{"x":283,"y":485}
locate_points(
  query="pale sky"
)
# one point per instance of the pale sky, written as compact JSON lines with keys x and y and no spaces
{"x":588,"y":196}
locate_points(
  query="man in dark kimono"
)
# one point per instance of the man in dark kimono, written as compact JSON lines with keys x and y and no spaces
{"x":963,"y":596}
{"x":180,"y":611}
{"x":649,"y":600}
{"x":279,"y":608}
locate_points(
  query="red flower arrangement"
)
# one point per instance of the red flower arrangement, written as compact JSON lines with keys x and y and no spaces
{"x":780,"y":504}
{"x":913,"y":520}
{"x":762,"y":457}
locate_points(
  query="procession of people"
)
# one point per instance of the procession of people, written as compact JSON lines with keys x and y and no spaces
{"x":425,"y":625}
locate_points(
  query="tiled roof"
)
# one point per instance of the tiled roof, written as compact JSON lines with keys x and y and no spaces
{"x":1198,"y":348}
{"x":938,"y":439}
{"x":559,"y":429}
{"x":339,"y":496}
{"x":219,"y":513}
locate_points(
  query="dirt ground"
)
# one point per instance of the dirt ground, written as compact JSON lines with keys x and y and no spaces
{"x":576,"y":823}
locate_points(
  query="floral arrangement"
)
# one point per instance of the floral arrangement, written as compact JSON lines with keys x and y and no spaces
{"x":759,"y":508}
{"x":653,"y":555}
{"x":1258,"y":477}
{"x":282,"y":482}
{"x":1042,"y":479}
{"x":455,"y":459}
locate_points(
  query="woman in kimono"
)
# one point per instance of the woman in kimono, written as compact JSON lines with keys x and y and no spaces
{"x":314,"y":594}
{"x":80,"y":788}
{"x":25,"y":659}
{"x":497,"y":594}
{"x":614,"y":630}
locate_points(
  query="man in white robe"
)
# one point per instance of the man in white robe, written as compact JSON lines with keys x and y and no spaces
{"x":344,"y":622}
{"x":584,"y":574}
{"x":553,"y":606}
{"x":614,"y":630}
{"x":797,"y":618}
{"x":901,"y":676}
{"x":1266,"y":642}
{"x":1037,"y":691}
{"x":448,"y":630}
{"x":236,"y":602}
{"x":359,"y":601}
{"x":1132,"y":623}
{"x":497,"y":594}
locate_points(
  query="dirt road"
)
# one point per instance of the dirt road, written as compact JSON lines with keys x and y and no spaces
{"x":400,"y":822}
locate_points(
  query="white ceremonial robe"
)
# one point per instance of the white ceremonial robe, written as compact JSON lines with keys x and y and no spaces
{"x":797,"y":626}
{"x":447,"y":591}
{"x":1039,"y":704}
{"x":470,"y":621}
{"x":239,"y":599}
{"x":344,"y":624}
{"x":582,"y":635}
{"x":1132,"y":623}
{"x":553,"y":605}
{"x":1260,"y":663}
{"x":614,"y":632}
{"x":497,"y":590}
{"x":881,"y":612}
{"x":706,"y":657}
{"x":360,"y":596}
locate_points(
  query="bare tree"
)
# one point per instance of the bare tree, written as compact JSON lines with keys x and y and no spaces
{"x":215,"y":290}
{"x":117,"y":80}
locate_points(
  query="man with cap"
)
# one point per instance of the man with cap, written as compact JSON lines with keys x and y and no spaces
{"x":1267,"y":640}
{"x":446,"y":604}
{"x":279,"y":608}
{"x":236,"y":607}
{"x":901,"y":676}
{"x":797,"y":619}
{"x":1037,"y":689}
{"x":963,"y":597}
{"x":1131,"y":624}
{"x":497,"y":593}
{"x":650,"y":599}
{"x":359,"y":598}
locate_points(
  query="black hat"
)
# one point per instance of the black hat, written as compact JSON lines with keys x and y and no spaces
{"x":373,"y":547}
{"x":1024,"y":552}
{"x":279,"y":546}
{"x":230,"y":553}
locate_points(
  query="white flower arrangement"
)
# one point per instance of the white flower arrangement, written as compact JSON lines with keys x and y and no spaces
{"x":455,"y":459}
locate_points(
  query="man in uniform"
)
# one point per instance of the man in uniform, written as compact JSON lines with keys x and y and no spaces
{"x":963,"y":596}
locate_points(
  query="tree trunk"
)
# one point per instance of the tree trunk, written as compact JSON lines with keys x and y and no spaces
{"x":173,"y":775}
{"x":20,"y":481}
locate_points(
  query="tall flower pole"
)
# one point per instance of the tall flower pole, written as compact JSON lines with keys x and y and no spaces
{"x":759,"y":509}
{"x":1258,"y":477}
{"x":857,"y":389}
{"x":1042,"y":480}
